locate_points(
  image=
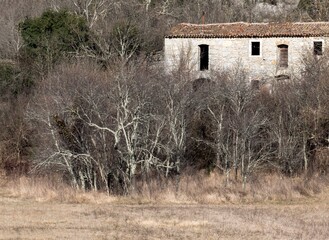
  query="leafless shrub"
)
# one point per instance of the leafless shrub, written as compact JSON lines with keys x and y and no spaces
{"x":100,"y":128}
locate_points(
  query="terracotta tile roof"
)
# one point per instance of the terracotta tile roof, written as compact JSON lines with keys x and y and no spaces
{"x":243,"y":30}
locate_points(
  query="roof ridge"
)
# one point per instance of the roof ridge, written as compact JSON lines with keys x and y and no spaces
{"x":245,"y":29}
{"x":252,"y":23}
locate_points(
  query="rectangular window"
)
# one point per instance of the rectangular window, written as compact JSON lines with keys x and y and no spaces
{"x":204,"y":57}
{"x":255,"y":48}
{"x":317,"y":47}
{"x":283,"y":55}
{"x":255,"y":84}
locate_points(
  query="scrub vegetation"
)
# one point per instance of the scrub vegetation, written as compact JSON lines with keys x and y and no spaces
{"x":90,"y":116}
{"x":84,"y":96}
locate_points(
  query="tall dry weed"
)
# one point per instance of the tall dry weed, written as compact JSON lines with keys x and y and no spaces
{"x":51,"y":189}
{"x":200,"y":188}
{"x":214,"y":189}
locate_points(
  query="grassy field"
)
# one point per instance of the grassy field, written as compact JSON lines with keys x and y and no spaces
{"x":103,"y":217}
{"x":37,"y":210}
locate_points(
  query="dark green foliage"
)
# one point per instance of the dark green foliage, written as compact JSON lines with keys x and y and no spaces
{"x":7,"y":78}
{"x":12,"y":81}
{"x":317,"y":10}
{"x":51,"y":36}
{"x":305,"y":4}
{"x":309,"y":7}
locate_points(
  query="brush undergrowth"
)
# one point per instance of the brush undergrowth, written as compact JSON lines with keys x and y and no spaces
{"x":201,"y":188}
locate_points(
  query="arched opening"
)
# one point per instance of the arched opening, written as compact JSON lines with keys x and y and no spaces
{"x":283,"y":55}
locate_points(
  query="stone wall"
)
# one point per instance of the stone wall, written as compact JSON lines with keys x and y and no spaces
{"x":226,"y":53}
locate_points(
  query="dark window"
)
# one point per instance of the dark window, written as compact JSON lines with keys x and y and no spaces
{"x":282,"y":77}
{"x":255,"y":48}
{"x":204,"y":57}
{"x":317,"y":48}
{"x":255,"y":84}
{"x":283,"y":55}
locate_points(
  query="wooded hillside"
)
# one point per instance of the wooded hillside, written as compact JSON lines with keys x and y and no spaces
{"x":84,"y":97}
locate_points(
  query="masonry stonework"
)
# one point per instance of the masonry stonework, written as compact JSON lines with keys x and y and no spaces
{"x":228,"y":52}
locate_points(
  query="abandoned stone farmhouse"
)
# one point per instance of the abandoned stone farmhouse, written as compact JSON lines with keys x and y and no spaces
{"x":265,"y":50}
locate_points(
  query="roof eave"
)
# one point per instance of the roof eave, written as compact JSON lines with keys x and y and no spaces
{"x":248,"y":36}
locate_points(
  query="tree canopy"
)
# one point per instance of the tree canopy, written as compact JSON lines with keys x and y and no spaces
{"x":52,"y":35}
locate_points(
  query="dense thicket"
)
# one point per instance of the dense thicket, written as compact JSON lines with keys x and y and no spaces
{"x":84,"y":97}
{"x":108,"y":129}
{"x":50,"y":37}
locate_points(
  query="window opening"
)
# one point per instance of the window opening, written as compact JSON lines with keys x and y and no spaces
{"x":255,"y":84}
{"x":317,"y":47}
{"x":283,"y":55}
{"x":282,"y":77}
{"x":204,"y":57}
{"x":255,"y":48}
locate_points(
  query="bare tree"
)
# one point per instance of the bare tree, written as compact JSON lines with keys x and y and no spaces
{"x":313,"y":92}
{"x":238,"y":125}
{"x":93,"y":10}
{"x":11,"y":14}
{"x":67,"y":145}
{"x":99,"y":129}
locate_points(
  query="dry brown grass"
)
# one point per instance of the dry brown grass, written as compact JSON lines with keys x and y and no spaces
{"x":50,"y":190}
{"x":201,"y":188}
{"x":274,"y":208}
{"x":25,"y":218}
{"x":213,"y":189}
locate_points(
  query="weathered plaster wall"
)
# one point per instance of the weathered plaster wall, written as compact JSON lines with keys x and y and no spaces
{"x":225,"y":53}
